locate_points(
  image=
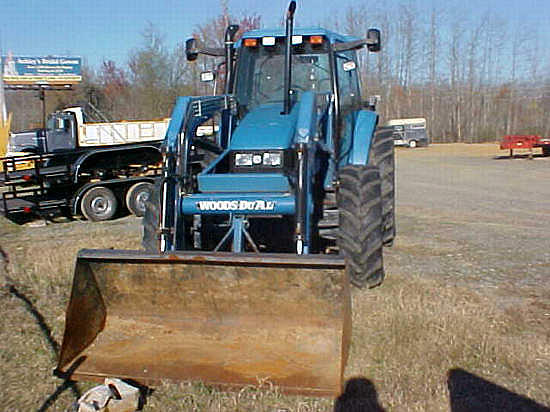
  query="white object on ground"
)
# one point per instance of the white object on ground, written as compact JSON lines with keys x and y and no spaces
{"x":113,"y":396}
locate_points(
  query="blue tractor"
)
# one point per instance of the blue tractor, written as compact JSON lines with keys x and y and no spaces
{"x":254,"y":232}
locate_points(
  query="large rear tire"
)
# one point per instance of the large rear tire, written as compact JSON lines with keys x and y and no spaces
{"x":384,"y":158}
{"x":360,"y":234}
{"x":150,"y":222}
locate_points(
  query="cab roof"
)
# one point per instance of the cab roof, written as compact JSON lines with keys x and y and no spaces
{"x":306,"y":31}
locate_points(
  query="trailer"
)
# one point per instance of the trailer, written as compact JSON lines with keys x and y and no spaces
{"x":409,"y":132}
{"x":528,"y":142}
{"x":93,"y":183}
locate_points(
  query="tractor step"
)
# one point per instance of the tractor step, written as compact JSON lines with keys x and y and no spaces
{"x":328,"y":224}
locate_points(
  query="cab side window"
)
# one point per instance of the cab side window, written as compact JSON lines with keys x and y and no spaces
{"x":348,"y":84}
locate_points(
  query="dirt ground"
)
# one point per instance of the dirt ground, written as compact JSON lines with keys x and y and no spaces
{"x":467,"y":216}
{"x":474,"y":216}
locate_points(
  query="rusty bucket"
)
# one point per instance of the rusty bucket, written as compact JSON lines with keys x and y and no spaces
{"x":220,"y":318}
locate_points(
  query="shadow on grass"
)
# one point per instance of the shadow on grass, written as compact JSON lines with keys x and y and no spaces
{"x":46,"y":331}
{"x":468,"y":392}
{"x":359,"y":396}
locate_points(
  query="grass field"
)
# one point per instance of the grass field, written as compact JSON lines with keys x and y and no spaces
{"x":459,"y":323}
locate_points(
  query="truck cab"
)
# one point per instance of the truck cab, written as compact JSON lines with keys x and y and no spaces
{"x":61,"y":131}
{"x":60,"y":134}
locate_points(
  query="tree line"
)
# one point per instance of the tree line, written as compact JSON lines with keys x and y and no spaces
{"x":474,"y":78}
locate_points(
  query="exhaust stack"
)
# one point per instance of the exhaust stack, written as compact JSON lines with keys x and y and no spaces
{"x":288,"y":56}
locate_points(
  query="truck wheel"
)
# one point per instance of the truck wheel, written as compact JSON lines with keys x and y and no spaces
{"x":546,"y":150}
{"x":137,"y":196}
{"x":412,"y":144}
{"x":150,"y":222}
{"x":98,"y":204}
{"x":360,"y":232}
{"x":384,"y":158}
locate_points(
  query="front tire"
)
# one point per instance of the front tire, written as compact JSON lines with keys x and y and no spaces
{"x":99,"y":204}
{"x":413,"y":144}
{"x":360,"y":231}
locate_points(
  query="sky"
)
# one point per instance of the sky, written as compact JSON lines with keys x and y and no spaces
{"x":99,"y":30}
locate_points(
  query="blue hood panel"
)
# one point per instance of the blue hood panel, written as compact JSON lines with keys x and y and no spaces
{"x":265,"y":128}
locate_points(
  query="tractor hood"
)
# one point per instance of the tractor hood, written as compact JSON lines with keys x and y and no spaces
{"x":265,"y":128}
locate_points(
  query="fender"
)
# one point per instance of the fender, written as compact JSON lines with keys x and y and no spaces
{"x":77,"y":166}
{"x":363,"y":132}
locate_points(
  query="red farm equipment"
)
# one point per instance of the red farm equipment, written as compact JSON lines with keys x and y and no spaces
{"x":528,"y":142}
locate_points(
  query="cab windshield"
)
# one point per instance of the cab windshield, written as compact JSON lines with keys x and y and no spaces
{"x":260,"y":72}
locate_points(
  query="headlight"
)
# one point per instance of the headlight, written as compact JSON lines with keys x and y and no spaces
{"x":243,"y":159}
{"x":272,"y":159}
{"x":259,"y":160}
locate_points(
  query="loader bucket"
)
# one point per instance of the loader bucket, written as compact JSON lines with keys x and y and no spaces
{"x":219,"y":318}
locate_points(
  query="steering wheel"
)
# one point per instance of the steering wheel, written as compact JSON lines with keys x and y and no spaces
{"x":292,"y":87}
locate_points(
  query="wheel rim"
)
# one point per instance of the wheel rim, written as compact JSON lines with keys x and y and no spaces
{"x":100,"y":206}
{"x":141,"y":200}
{"x":412,"y":144}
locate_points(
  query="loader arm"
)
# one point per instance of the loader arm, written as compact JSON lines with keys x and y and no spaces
{"x":187,"y":115}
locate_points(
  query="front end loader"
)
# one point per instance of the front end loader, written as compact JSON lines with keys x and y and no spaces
{"x":254,"y":233}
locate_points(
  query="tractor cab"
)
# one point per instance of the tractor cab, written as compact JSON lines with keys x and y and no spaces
{"x":321,"y":61}
{"x":261,"y":67}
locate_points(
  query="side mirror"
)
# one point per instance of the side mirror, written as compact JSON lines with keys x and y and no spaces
{"x":291,"y":9}
{"x":191,"y":51}
{"x":373,"y":40}
{"x":208,"y":76}
{"x":230,"y":32}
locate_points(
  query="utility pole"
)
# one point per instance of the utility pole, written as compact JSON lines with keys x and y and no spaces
{"x":4,"y":119}
{"x":42,"y":97}
{"x":3,"y":110}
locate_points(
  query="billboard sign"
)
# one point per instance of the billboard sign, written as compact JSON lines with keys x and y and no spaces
{"x":50,"y":70}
